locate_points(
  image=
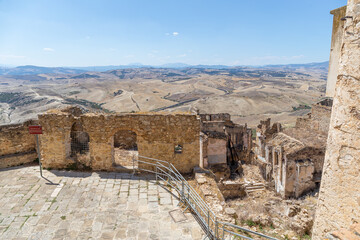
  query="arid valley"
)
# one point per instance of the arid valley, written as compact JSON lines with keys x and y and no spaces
{"x":249,"y":94}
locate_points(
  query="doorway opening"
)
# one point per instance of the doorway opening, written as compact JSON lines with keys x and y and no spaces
{"x":125,"y":149}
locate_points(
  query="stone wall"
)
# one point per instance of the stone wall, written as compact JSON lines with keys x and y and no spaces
{"x":17,"y":146}
{"x":339,"y":198}
{"x":125,"y":139}
{"x":157,"y":136}
{"x":216,"y":151}
{"x":238,"y":138}
{"x":231,"y":189}
{"x":215,"y":117}
{"x":336,"y":41}
{"x":318,"y":119}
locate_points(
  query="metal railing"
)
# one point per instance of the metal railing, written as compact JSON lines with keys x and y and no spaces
{"x":214,"y":229}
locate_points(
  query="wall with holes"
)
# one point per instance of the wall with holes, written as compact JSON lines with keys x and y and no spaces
{"x":157,"y":135}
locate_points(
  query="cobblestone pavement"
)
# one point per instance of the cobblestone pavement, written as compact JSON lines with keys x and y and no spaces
{"x":87,"y":205}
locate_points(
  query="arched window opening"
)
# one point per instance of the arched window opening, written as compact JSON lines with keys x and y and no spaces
{"x":79,"y":141}
{"x":125,"y":149}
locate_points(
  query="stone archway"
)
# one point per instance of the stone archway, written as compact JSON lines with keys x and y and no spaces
{"x":125,"y":149}
{"x":79,"y":142}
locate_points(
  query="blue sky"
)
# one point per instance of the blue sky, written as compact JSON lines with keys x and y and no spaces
{"x":231,"y":32}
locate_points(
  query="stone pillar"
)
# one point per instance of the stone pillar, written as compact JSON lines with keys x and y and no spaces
{"x":339,"y":198}
{"x":336,"y":40}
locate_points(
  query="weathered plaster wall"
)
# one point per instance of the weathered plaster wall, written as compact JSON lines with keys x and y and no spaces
{"x":157,"y":136}
{"x":303,"y":180}
{"x":336,"y":40}
{"x":17,"y":146}
{"x":339,"y":198}
{"x":216,"y":151}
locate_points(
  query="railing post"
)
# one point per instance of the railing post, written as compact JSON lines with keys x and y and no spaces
{"x":188,"y":193}
{"x":216,"y":229}
{"x":223,"y":228}
{"x":182,"y":191}
{"x":133,"y":162}
{"x":156,"y":174}
{"x":208,"y":225}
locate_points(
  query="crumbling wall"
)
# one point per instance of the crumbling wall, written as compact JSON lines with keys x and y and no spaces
{"x":318,"y":119}
{"x":238,"y":137}
{"x":339,"y":197}
{"x":304,"y":177}
{"x":321,"y":116}
{"x":215,"y":117}
{"x":231,"y":189}
{"x":157,"y":136}
{"x":213,"y":126}
{"x":316,"y":155}
{"x":17,"y":146}
{"x":264,"y":133}
{"x":294,"y":166}
{"x":216,"y":150}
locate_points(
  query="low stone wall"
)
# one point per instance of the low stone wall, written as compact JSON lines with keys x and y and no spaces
{"x":231,"y":189}
{"x":157,"y":137}
{"x":17,"y":146}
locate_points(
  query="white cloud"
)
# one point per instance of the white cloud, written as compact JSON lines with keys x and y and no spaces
{"x":172,"y":34}
{"x":182,"y":55}
{"x":48,"y":49}
{"x":11,"y":56}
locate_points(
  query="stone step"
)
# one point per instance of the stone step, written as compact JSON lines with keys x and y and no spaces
{"x":254,"y":184}
{"x":255,"y":187}
{"x":255,"y":190}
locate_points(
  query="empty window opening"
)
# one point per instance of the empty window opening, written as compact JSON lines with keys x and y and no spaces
{"x":276,"y":158}
{"x":79,"y":143}
{"x":125,"y":149}
{"x":178,"y":149}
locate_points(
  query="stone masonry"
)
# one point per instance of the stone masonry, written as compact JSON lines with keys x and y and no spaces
{"x":339,"y":198}
{"x":157,"y":136}
{"x":336,"y":40}
{"x":17,"y":146}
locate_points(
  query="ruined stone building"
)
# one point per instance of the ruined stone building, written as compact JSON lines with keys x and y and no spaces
{"x":224,"y":144}
{"x":95,"y":141}
{"x":98,"y":141}
{"x":293,"y":158}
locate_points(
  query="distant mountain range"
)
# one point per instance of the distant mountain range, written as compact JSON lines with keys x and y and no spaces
{"x":34,"y":70}
{"x":323,"y":65}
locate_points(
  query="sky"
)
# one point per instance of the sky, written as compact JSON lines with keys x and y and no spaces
{"x":155,"y":32}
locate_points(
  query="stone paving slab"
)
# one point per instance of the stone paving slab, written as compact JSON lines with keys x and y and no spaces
{"x":87,"y":205}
